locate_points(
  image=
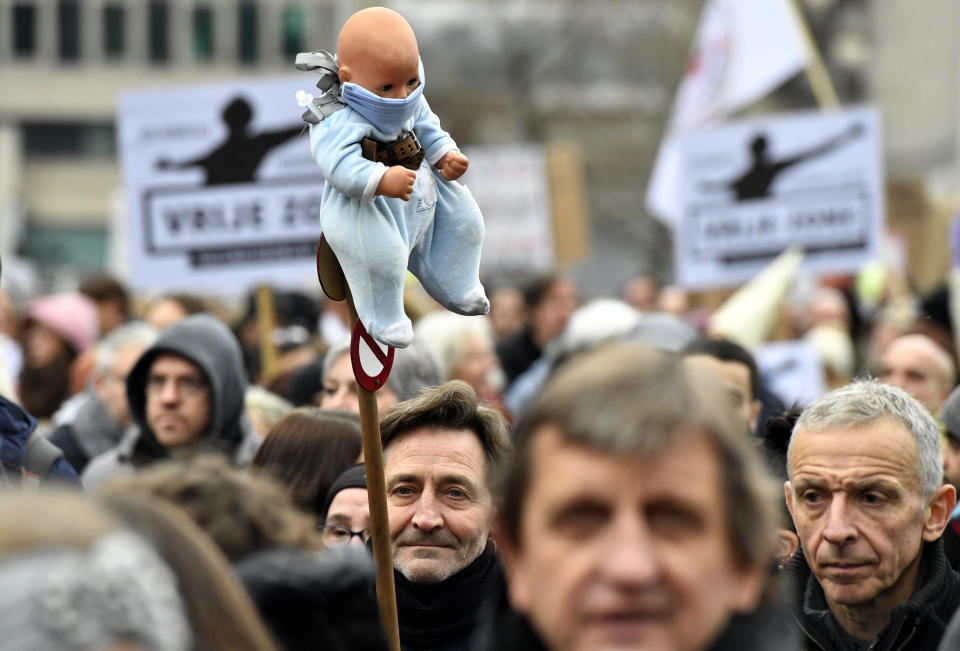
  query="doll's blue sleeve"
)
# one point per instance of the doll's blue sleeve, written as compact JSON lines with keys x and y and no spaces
{"x":335,"y":145}
{"x":434,"y":140}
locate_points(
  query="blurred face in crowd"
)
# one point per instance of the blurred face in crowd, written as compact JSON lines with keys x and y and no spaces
{"x":550,"y":316}
{"x":42,"y":345}
{"x":641,"y":293}
{"x":479,"y":367}
{"x":856,"y":499}
{"x":340,"y":388}
{"x":507,"y":311}
{"x":349,"y":514}
{"x":164,"y":313}
{"x":438,"y":502}
{"x":736,"y":379}
{"x":178,"y":400}
{"x":110,"y":314}
{"x":626,"y":551}
{"x":916,"y":364}
{"x":111,"y":386}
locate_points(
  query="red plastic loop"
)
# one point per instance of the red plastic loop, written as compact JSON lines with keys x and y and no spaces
{"x":368,"y":382}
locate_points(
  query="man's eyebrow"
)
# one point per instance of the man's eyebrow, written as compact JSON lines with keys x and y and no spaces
{"x":453,"y":478}
{"x":805,"y":483}
{"x":337,"y":518}
{"x":883,"y":485}
{"x":407,"y":478}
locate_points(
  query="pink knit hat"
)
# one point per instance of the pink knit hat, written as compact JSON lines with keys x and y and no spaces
{"x":72,"y":315}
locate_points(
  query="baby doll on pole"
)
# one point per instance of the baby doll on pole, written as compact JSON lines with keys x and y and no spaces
{"x":384,"y":207}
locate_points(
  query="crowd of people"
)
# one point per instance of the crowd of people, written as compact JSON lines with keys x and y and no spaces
{"x":562,"y":474}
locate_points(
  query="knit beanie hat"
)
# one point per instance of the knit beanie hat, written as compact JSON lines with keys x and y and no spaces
{"x":72,"y":315}
{"x":352,"y":477}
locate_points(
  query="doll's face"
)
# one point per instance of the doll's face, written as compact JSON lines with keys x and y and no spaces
{"x":377,"y":50}
{"x":394,"y":79}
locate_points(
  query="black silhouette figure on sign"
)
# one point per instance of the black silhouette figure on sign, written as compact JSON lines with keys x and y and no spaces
{"x":237,"y":159}
{"x":756,"y":181}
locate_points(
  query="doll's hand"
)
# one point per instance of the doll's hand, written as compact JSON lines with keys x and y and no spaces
{"x":452,"y":165}
{"x":397,"y":183}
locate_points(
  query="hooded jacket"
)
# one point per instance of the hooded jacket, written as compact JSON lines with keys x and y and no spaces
{"x":207,"y":343}
{"x":917,"y":625}
{"x":16,"y":426}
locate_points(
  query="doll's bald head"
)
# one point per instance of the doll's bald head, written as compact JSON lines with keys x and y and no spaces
{"x":378,"y":49}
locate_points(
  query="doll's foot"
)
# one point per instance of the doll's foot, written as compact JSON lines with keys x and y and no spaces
{"x":475,"y":302}
{"x":397,"y":335}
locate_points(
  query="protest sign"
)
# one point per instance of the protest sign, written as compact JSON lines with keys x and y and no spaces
{"x":753,"y":188}
{"x":791,"y":370}
{"x":221,"y":191}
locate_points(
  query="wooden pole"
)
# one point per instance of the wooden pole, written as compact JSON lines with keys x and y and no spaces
{"x":817,"y":74}
{"x":377,"y":499}
{"x":267,"y":319}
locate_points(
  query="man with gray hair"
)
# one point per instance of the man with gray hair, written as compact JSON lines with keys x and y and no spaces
{"x":866,"y":493}
{"x":102,"y":414}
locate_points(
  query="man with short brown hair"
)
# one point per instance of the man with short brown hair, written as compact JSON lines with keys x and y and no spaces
{"x":437,"y":450}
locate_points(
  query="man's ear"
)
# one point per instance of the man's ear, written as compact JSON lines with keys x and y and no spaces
{"x":938,"y":512}
{"x":788,"y":495}
{"x":345,"y":74}
{"x":787,"y":545}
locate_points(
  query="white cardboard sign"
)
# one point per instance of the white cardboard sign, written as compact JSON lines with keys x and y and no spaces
{"x":753,"y":188}
{"x":221,"y":191}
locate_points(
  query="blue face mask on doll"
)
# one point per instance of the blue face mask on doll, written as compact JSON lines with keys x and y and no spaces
{"x":386,"y":114}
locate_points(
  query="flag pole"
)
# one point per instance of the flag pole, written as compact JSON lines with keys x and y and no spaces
{"x":816,"y":71}
{"x":377,"y":500}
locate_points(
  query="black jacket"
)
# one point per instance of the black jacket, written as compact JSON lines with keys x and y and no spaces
{"x":917,"y":625}
{"x":445,"y":616}
{"x":316,"y":600}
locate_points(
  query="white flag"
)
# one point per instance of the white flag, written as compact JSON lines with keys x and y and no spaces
{"x":741,"y":51}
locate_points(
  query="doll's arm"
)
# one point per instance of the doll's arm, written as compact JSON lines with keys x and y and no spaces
{"x":435,"y":141}
{"x":335,"y":146}
{"x":397,"y":182}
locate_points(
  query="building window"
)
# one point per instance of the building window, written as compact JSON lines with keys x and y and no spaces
{"x":113,"y":32}
{"x":69,"y":15}
{"x":203,"y":33}
{"x":292,"y":31}
{"x":69,"y":139}
{"x":159,"y":31}
{"x":24,"y":29}
{"x":248,"y":32}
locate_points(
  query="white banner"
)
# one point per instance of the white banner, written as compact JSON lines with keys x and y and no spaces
{"x":752,"y":188}
{"x":221,"y":191}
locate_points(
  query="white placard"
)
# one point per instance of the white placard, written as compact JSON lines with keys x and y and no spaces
{"x":792,"y":370}
{"x":221,"y":191}
{"x":752,"y":188}
{"x":509,"y":182}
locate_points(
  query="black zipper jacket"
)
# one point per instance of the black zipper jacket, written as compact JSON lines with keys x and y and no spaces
{"x":917,"y":625}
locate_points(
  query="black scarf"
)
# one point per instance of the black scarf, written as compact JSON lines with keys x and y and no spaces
{"x":445,"y":615}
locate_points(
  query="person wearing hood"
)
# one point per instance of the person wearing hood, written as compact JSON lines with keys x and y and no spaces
{"x":186,"y":395}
